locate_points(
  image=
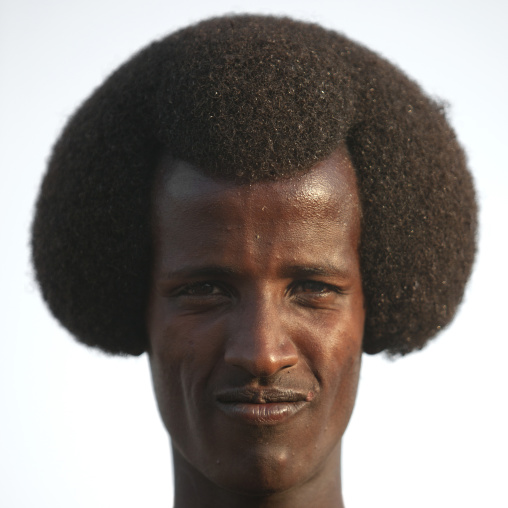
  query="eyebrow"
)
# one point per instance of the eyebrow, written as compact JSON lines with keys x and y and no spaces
{"x":289,"y":272}
{"x":327,"y":270}
{"x":202,"y":271}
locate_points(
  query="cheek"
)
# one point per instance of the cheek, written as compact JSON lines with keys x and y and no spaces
{"x":342,"y":375}
{"x":334,"y":341}
{"x":347,"y":385}
{"x":340,"y":386}
{"x":349,"y":357}
{"x":174,"y":394}
{"x":183,"y":354}
{"x":337,"y":352}
{"x":167,"y":363}
{"x":166,"y":379}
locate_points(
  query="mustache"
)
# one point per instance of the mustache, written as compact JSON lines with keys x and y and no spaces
{"x":252,"y":395}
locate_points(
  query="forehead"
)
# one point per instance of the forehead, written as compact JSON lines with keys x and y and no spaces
{"x":328,"y":191}
{"x":264,"y":228}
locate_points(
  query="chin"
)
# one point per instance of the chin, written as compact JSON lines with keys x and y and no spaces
{"x":258,"y":482}
{"x":263,"y":473}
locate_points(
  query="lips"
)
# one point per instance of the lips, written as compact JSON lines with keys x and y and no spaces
{"x":256,"y":406}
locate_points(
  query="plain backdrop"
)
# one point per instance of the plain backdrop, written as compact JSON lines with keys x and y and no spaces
{"x":79,"y":429}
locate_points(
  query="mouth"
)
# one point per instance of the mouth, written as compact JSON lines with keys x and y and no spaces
{"x":262,"y":406}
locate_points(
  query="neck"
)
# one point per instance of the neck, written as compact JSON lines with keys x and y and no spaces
{"x":194,"y":490}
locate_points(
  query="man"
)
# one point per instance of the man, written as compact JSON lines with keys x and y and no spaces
{"x":255,"y":201}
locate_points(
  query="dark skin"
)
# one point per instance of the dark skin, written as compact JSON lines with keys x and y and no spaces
{"x":256,"y":318}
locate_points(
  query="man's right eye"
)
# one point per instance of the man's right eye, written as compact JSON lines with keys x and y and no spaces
{"x":201,"y":296}
{"x":202,"y":290}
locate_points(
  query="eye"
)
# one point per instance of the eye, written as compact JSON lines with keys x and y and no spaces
{"x":201,"y":296}
{"x":315,"y":293}
{"x":314,"y":287}
{"x":311,"y":286}
{"x":200,"y":289}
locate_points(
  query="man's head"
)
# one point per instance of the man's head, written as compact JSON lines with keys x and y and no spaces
{"x":255,"y":99}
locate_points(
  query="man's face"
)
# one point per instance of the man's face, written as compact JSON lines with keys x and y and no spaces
{"x":256,"y":321}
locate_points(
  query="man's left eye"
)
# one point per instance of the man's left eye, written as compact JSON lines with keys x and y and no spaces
{"x":314,"y":287}
{"x":311,"y":286}
{"x":315,"y":294}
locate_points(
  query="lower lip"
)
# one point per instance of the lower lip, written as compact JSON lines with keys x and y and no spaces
{"x":262,"y":414}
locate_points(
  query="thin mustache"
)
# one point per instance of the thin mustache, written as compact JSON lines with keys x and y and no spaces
{"x":262,"y":395}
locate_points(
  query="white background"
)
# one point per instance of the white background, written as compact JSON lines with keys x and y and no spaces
{"x":78,"y":429}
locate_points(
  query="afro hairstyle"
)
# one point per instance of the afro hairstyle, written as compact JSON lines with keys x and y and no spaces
{"x":251,"y":98}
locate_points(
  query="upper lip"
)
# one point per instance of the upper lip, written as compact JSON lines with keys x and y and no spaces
{"x":249,"y":395}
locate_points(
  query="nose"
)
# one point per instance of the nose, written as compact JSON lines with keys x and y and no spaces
{"x":259,"y":339}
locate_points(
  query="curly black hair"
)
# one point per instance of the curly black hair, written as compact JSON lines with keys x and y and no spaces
{"x":250,"y":98}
